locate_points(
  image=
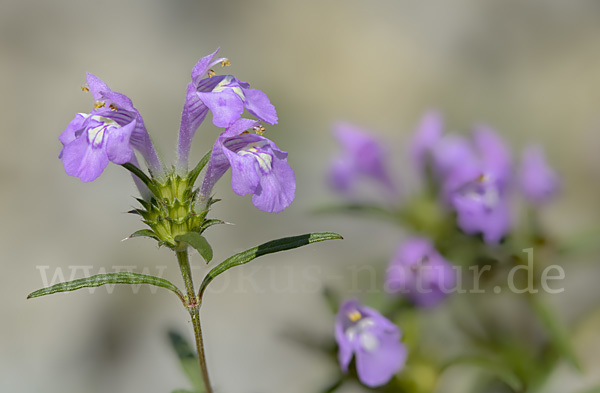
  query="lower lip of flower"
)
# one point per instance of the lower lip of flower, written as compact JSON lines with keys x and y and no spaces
{"x":96,"y":134}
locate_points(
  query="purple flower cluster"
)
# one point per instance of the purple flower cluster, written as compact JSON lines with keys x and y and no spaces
{"x":362,"y":157}
{"x":476,"y":175}
{"x":373,"y":340}
{"x":470,"y":181}
{"x":115,"y":128}
{"x":419,"y":271}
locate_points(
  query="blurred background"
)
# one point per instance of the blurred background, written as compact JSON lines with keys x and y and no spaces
{"x":530,"y":69}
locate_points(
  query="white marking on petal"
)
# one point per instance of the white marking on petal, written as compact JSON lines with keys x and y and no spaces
{"x":265,"y":160}
{"x":369,"y":342}
{"x":96,"y":134}
{"x":225,"y":84}
{"x":359,"y":329}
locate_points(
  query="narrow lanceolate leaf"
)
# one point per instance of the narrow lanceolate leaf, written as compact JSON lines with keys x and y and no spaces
{"x":197,"y":241}
{"x":201,"y":164}
{"x":109,"y":278}
{"x":188,"y":360}
{"x":283,"y":244}
{"x":209,"y":223}
{"x":144,"y":232}
{"x":141,"y":175}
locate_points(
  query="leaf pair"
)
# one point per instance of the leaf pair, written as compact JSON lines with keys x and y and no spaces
{"x":200,"y":244}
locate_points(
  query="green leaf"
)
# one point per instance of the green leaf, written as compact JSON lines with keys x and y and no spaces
{"x":141,"y":175}
{"x":209,"y":223}
{"x":197,"y":241}
{"x":144,"y":232}
{"x":558,"y":334}
{"x":110,"y":278}
{"x":186,"y":391}
{"x":286,"y":243}
{"x":332,"y":299}
{"x":334,"y":386}
{"x":501,"y":371}
{"x":196,"y":171}
{"x":188,"y":360}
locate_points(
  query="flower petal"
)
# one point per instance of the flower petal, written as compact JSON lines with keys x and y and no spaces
{"x":226,"y":106}
{"x":118,"y":147}
{"x":202,"y":66}
{"x":97,"y":86}
{"x":69,"y":134}
{"x":82,"y":160}
{"x":429,"y":132}
{"x":377,"y":367}
{"x":239,"y":126}
{"x":260,"y":106}
{"x":277,"y":189}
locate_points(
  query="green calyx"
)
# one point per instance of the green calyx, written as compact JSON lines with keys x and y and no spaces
{"x":174,"y":212}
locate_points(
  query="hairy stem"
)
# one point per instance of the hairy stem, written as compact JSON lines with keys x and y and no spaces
{"x":193,"y":307}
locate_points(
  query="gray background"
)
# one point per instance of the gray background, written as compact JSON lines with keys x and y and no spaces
{"x":531,"y":69}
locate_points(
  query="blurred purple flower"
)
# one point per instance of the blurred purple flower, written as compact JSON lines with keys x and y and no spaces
{"x":375,"y":341}
{"x":477,"y":186}
{"x":362,"y":155}
{"x":539,"y":182}
{"x":108,"y":133}
{"x":225,"y":96}
{"x":420,"y":272}
{"x":258,"y":167}
{"x":428,"y":134}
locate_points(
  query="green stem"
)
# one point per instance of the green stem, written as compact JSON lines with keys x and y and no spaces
{"x":193,"y":307}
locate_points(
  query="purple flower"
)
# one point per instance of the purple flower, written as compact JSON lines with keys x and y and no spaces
{"x":108,"y":133}
{"x":362,"y":156}
{"x":258,"y":167}
{"x":225,"y":96}
{"x":375,"y":341}
{"x":539,"y":183}
{"x":428,"y":134}
{"x":419,"y":271}
{"x":477,"y":186}
{"x":450,"y":152}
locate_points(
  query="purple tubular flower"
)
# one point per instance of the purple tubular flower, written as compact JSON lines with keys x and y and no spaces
{"x":539,"y":183}
{"x":428,"y":134}
{"x":225,"y":96}
{"x":362,"y":155}
{"x":419,"y":271}
{"x":375,"y":341}
{"x":108,"y":133}
{"x":258,"y":167}
{"x":477,"y":187}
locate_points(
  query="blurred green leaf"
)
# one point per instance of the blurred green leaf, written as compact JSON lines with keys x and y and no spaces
{"x":197,"y":241}
{"x":558,"y":334}
{"x":188,"y":360}
{"x":333,"y":387}
{"x":110,"y":278}
{"x":331,"y":298}
{"x":193,"y":175}
{"x":496,"y":368}
{"x":273,"y":246}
